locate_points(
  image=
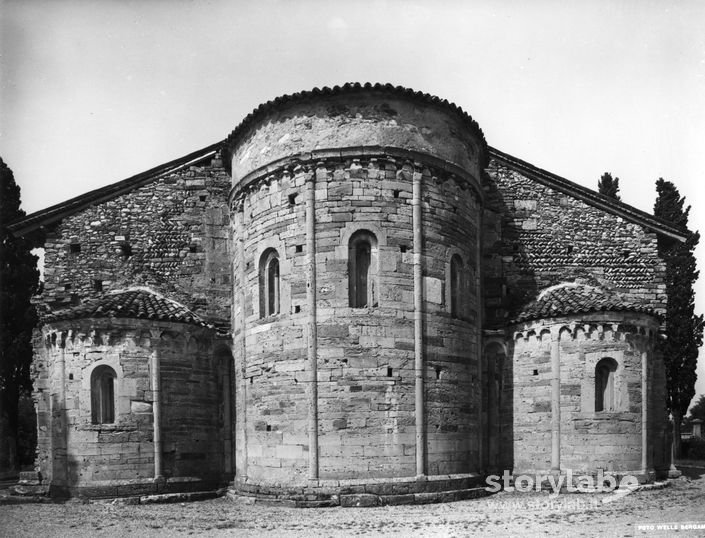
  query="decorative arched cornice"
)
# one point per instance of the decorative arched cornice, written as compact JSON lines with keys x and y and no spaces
{"x":405,"y":161}
{"x":630,"y":332}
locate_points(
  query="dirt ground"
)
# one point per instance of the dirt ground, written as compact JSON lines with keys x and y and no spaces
{"x":503,"y":514}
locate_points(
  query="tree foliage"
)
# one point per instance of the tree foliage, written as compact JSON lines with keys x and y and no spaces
{"x":684,"y":329}
{"x":609,"y":186}
{"x":19,"y":279}
{"x":698,"y":410}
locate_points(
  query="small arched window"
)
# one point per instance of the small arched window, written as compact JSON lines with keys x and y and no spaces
{"x":456,"y":286}
{"x":269,"y":284}
{"x":103,"y":395}
{"x":362,"y":254}
{"x":604,"y":385}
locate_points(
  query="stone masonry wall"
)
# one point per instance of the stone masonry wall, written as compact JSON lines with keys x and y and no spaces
{"x":536,"y":237}
{"x":355,"y":145}
{"x":531,"y":381}
{"x":590,"y":439}
{"x":192,"y":427}
{"x":356,"y":120}
{"x":366,"y":360}
{"x":170,"y":235}
{"x":270,"y":362}
{"x":659,"y":426}
{"x":78,"y":456}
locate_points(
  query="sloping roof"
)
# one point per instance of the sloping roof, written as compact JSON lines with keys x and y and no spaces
{"x":136,"y":303}
{"x":57,"y":212}
{"x":571,"y":298}
{"x":70,"y":207}
{"x":588,"y":196}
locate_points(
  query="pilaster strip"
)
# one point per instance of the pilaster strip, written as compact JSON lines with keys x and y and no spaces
{"x":418,"y":328}
{"x":555,"y":400}
{"x":312,"y":323}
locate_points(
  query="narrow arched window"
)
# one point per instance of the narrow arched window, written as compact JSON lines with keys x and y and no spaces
{"x":269,"y":284}
{"x":456,"y":286}
{"x":362,"y":270}
{"x":604,"y":385}
{"x":103,"y":395}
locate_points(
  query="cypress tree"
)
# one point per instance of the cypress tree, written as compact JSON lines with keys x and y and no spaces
{"x":684,"y":329}
{"x":19,"y":279}
{"x":609,"y":186}
{"x":698,"y":410}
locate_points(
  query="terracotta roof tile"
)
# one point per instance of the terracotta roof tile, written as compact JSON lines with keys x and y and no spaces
{"x":570,"y":298}
{"x":139,"y":303}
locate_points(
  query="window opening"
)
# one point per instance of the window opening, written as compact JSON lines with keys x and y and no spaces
{"x":103,"y":395}
{"x":126,"y":250}
{"x":604,"y":385}
{"x":456,"y":285}
{"x":269,"y":284}
{"x":362,"y":253}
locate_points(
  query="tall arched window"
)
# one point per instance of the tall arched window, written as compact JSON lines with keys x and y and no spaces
{"x":604,"y":385}
{"x":362,"y":254}
{"x":456,"y":286}
{"x":103,"y":395}
{"x":269,"y":283}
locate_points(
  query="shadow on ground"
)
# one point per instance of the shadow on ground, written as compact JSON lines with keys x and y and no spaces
{"x":691,"y":469}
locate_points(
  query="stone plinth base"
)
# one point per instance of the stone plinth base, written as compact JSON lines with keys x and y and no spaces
{"x":360,"y":492}
{"x":108,"y":489}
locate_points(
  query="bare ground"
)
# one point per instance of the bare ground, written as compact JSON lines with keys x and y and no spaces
{"x":503,"y":514}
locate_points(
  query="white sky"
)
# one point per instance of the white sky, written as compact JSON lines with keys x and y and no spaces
{"x":92,"y":92}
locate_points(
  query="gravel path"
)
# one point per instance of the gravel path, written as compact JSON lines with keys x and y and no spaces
{"x":504,"y":514}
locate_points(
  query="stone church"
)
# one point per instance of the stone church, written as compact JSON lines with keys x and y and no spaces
{"x":351,"y":293}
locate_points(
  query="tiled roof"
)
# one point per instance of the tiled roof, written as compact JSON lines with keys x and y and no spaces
{"x":351,"y":88}
{"x":570,"y":298}
{"x":137,"y":303}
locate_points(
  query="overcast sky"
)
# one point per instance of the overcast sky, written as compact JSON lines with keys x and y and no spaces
{"x":95,"y":91}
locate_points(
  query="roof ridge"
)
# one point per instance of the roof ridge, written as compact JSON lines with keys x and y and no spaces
{"x":104,"y":306}
{"x":576,"y":298}
{"x":590,"y":196}
{"x":107,"y":192}
{"x":542,"y":294}
{"x":56,"y":212}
